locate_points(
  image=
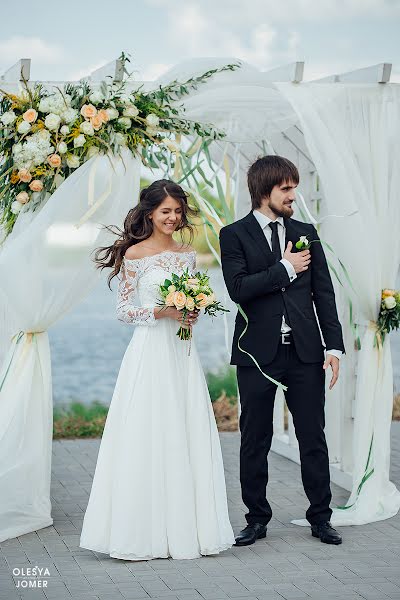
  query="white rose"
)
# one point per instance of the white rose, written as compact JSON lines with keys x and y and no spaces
{"x":58,"y":180}
{"x":62,"y":147}
{"x":112,"y":113}
{"x":17,"y":148}
{"x":64,"y":130}
{"x":120,"y":139}
{"x":16,"y":207}
{"x":96,"y":97}
{"x":73,"y":161}
{"x":44,"y":135}
{"x":69,"y":115}
{"x":304,"y":240}
{"x":79,"y":141}
{"x":87,"y":128}
{"x":52,"y":121}
{"x":44,"y":105}
{"x":125,"y":122}
{"x":23,"y":127}
{"x":151,"y":131}
{"x":8,"y":118}
{"x":211,"y":299}
{"x":131,"y":111}
{"x":152,"y":120}
{"x":390,"y":302}
{"x":93,"y":151}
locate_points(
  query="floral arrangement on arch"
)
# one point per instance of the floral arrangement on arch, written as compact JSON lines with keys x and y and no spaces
{"x":45,"y":136}
{"x":389,"y":315}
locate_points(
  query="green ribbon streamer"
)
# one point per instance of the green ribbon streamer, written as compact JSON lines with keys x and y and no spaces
{"x":365,"y":477}
{"x":279,"y":385}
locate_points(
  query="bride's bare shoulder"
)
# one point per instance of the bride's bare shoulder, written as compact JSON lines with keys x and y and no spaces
{"x":186,"y":248}
{"x":137,"y":251}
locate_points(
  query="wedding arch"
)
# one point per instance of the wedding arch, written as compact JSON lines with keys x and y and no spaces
{"x":342,"y":133}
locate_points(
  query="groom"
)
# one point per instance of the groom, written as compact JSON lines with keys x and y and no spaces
{"x":278,"y":288}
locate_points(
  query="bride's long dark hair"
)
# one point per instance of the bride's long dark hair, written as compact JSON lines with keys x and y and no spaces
{"x":138,"y":226}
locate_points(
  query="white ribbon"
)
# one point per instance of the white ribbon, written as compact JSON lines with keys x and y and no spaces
{"x":94,"y":205}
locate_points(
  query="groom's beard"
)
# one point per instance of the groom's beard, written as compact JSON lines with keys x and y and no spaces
{"x":282,"y":211}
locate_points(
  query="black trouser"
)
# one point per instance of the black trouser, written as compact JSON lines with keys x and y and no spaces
{"x":305,"y":398}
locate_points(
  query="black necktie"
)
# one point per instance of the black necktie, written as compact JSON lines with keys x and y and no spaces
{"x":276,"y":251}
{"x":275,"y":245}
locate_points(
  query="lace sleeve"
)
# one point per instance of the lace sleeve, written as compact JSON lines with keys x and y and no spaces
{"x":126,"y":310}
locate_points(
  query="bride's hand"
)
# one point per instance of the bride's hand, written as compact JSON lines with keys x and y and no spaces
{"x":173,"y":313}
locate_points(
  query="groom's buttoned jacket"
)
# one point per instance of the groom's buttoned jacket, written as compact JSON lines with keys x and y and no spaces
{"x":261,"y":286}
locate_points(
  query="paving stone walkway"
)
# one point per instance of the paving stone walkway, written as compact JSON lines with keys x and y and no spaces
{"x":289,"y":564}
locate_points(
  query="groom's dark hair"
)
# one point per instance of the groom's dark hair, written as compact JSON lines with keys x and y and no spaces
{"x":267,"y":172}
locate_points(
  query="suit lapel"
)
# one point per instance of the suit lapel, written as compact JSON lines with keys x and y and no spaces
{"x":290,"y":233}
{"x":254,"y":229}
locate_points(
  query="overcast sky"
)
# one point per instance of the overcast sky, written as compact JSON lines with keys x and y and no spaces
{"x":70,"y":39}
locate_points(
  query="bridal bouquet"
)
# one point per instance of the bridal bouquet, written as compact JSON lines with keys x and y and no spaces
{"x":46,"y":134}
{"x":189,"y":293}
{"x":389,"y":314}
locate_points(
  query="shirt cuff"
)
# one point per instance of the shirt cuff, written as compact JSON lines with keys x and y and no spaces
{"x":289,"y":268}
{"x":337,"y":353}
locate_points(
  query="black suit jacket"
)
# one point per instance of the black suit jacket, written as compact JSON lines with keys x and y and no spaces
{"x":262,"y":288}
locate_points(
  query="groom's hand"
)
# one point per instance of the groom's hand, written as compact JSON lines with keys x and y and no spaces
{"x":334,"y":362}
{"x":299,"y":260}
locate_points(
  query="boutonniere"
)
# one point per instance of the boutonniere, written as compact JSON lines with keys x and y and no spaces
{"x":303,"y":243}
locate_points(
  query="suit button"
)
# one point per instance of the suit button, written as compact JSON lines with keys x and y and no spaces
{"x":283,"y":289}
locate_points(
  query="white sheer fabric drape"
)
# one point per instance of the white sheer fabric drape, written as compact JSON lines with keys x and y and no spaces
{"x":352,"y":133}
{"x":45,"y":270}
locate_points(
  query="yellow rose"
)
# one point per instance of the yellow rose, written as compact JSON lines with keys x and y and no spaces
{"x":172,"y":288}
{"x":169,"y":300}
{"x":54,"y":160}
{"x":22,"y":197}
{"x":24,"y":175}
{"x":30,"y":115}
{"x":190,"y":303}
{"x":179,"y":300}
{"x":387,"y":293}
{"x":14,"y":177}
{"x":202,"y":300}
{"x":88,"y":111}
{"x":97,"y":122}
{"x":36,"y":185}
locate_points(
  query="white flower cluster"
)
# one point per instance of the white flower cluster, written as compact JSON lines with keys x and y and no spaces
{"x":8,"y":117}
{"x":33,"y":151}
{"x":58,"y":105}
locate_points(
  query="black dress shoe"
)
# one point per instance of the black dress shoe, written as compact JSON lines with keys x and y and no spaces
{"x":325,"y":532}
{"x":250,"y":534}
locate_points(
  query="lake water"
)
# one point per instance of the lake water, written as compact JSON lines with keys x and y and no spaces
{"x":88,"y":344}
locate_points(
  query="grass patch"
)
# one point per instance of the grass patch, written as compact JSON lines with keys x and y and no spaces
{"x":223,"y":382}
{"x":79,"y":420}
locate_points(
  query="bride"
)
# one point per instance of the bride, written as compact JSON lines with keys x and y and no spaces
{"x":159,"y":487}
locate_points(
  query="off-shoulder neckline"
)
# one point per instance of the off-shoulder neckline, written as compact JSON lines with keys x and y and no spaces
{"x":159,"y":254}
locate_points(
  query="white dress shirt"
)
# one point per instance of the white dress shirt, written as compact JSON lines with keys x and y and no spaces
{"x":264,"y":222}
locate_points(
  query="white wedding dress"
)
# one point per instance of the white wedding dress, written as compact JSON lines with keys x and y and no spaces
{"x":159,"y":486}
